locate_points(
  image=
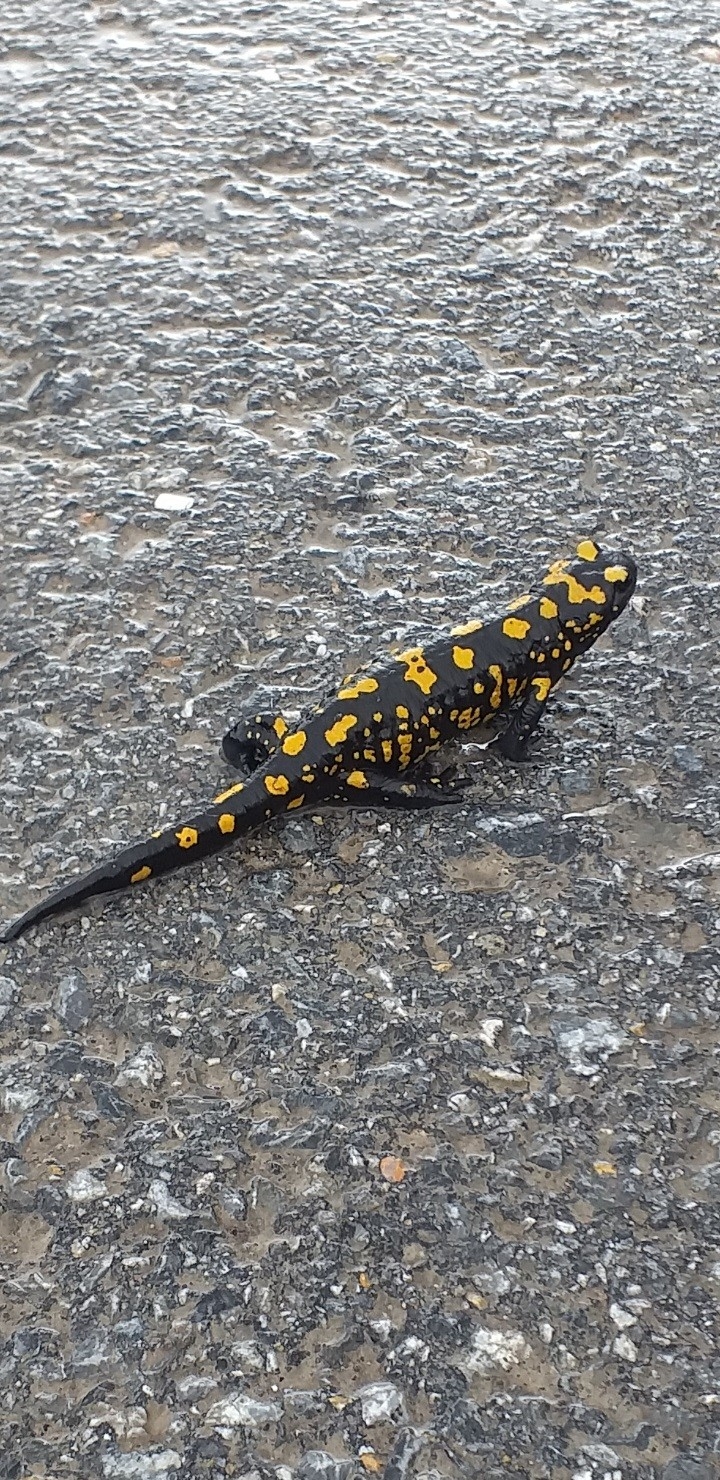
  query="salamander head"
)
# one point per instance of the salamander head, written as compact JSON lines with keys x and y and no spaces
{"x":591,"y":589}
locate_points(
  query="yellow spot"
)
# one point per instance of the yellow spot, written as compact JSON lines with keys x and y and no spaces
{"x":296,"y":802}
{"x":435,"y":734}
{"x":540,"y":657}
{"x":519,"y":601}
{"x":405,"y":745}
{"x":478,"y":688}
{"x":387,"y":749}
{"x":465,"y":629}
{"x":417,"y":670}
{"x":542,"y":687}
{"x":615,"y":573}
{"x":157,"y":834}
{"x":280,"y":727}
{"x":277,"y":785}
{"x":587,"y":550}
{"x":556,"y":652}
{"x":548,"y":608}
{"x":463,"y":657}
{"x":361,"y":686}
{"x":514,"y":627}
{"x":369,"y":755}
{"x":377,"y":718}
{"x":468,"y":718}
{"x":357,"y":778}
{"x":293,"y":744}
{"x":577,"y":593}
{"x":567,"y":645}
{"x":338,"y":733}
{"x":511,"y":687}
{"x":187,"y":837}
{"x":567,"y":664}
{"x":142,"y":873}
{"x":231,"y":792}
{"x":594,"y":618}
{"x":496,"y":695}
{"x":402,"y":712}
{"x":226,"y":822}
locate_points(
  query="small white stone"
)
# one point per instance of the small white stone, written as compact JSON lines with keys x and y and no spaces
{"x":489,"y":1029}
{"x":493,"y":1349}
{"x":625,"y":1348}
{"x":84,"y":1187}
{"x":379,"y":1401}
{"x":143,"y":1067}
{"x":621,"y":1317}
{"x":174,"y":503}
{"x":240,"y":1409}
{"x":166,"y":1205}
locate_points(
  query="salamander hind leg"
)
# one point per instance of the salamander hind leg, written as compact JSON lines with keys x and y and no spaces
{"x":251,"y":742}
{"x":368,"y":788}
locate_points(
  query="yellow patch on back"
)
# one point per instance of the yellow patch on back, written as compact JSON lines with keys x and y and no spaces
{"x":231,"y":792}
{"x":378,"y":718}
{"x":515,"y":627}
{"x":478,"y":688}
{"x":338,"y":733}
{"x":369,"y":755}
{"x":463,"y":657}
{"x":587,"y":550}
{"x":615,"y":574}
{"x":142,"y":873}
{"x":548,"y":608}
{"x":387,"y":749}
{"x":577,"y":593}
{"x":357,"y":778}
{"x":542,"y":687}
{"x":226,"y":822}
{"x":402,"y":712}
{"x":361,"y":686}
{"x":496,"y":673}
{"x":277,"y":785}
{"x":417,"y":670}
{"x":466,"y":628}
{"x":187,"y":837}
{"x":280,"y":727}
{"x":293,"y":744}
{"x":519,"y":601}
{"x":296,"y":802}
{"x":511,"y":687}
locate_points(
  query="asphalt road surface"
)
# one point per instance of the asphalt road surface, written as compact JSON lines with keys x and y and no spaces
{"x":381,"y":1145}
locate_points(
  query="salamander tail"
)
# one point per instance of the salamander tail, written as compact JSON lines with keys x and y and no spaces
{"x":160,"y":854}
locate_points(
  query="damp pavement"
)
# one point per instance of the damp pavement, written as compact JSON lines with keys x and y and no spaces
{"x":381,"y":1145}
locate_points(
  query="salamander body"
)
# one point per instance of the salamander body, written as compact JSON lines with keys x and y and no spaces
{"x":366,"y":745}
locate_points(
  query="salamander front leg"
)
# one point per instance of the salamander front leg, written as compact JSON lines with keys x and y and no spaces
{"x":251,"y":742}
{"x":374,"y":789}
{"x":513,"y":742}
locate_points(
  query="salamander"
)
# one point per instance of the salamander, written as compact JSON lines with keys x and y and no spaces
{"x":367,"y":745}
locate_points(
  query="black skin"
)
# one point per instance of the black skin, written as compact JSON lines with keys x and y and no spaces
{"x":368,"y":744}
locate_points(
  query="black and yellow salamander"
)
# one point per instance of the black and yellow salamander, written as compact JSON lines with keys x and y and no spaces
{"x":365,"y":746}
